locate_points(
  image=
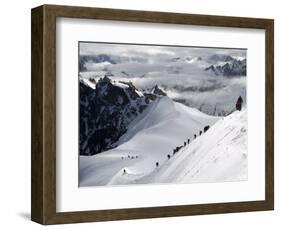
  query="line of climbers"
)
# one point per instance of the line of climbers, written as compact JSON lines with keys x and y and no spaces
{"x":130,"y":157}
{"x":238,"y":106}
{"x":175,"y":150}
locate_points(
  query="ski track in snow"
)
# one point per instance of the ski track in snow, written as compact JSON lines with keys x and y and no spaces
{"x":218,"y":155}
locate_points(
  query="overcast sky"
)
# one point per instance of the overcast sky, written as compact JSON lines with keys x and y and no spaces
{"x":153,"y":52}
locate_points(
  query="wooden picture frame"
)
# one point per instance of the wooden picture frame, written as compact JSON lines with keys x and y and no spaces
{"x":43,"y":205}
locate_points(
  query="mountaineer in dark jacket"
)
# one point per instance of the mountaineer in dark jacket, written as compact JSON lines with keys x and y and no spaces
{"x":206,"y":128}
{"x":239,"y":103}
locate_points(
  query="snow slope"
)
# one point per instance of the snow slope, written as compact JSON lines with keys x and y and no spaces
{"x":218,"y":155}
{"x":150,"y":138}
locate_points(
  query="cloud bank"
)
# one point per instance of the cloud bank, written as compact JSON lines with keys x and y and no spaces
{"x":180,"y":71}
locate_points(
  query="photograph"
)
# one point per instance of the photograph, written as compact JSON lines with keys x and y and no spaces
{"x":161,"y":114}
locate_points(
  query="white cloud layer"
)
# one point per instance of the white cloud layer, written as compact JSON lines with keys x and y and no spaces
{"x":179,"y":70}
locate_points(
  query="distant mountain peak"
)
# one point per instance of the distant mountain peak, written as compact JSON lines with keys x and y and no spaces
{"x":158,"y":91}
{"x":220,"y":58}
{"x":92,"y":80}
{"x":175,"y":59}
{"x":213,"y":69}
{"x":231,"y":67}
{"x":105,"y":79}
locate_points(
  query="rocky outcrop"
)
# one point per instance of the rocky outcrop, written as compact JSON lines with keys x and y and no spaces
{"x":106,"y":112}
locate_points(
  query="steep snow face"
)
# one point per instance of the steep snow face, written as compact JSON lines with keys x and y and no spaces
{"x":219,"y":155}
{"x":150,"y":138}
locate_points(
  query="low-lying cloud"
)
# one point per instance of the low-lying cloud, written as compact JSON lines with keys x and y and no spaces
{"x":180,"y":71}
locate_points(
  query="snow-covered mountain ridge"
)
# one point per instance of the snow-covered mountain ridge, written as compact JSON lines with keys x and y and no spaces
{"x":106,"y":109}
{"x":150,"y":138}
{"x":218,"y":155}
{"x":153,"y":114}
{"x":230,"y":68}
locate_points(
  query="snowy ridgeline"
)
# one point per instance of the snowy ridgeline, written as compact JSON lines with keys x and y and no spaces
{"x":217,"y":155}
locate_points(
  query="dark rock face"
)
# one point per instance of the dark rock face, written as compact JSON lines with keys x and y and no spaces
{"x":232,"y":67}
{"x":106,"y":112}
{"x":157,"y":91}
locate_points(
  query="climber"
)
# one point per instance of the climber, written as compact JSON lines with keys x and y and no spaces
{"x":239,"y":103}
